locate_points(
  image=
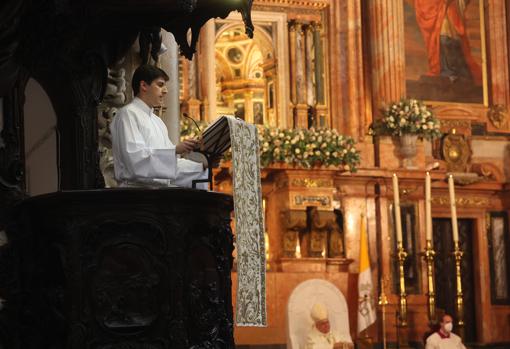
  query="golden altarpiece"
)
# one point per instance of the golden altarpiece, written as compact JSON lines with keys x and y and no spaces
{"x":333,"y":64}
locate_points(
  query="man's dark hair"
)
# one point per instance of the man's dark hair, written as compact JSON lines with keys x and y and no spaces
{"x":147,"y":73}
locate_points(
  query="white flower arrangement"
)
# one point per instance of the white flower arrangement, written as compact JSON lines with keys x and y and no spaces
{"x":297,"y":147}
{"x":409,"y":116}
{"x":307,"y":148}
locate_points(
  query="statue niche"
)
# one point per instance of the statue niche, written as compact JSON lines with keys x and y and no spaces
{"x":313,"y":233}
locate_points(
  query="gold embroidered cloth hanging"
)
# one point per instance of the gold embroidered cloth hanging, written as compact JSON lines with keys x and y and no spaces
{"x":249,"y":220}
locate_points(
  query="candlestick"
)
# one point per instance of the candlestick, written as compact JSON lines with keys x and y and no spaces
{"x":401,"y":257}
{"x":383,"y":302}
{"x":396,"y":202}
{"x":429,"y":255}
{"x":428,"y":209}
{"x":459,"y":300}
{"x":455,"y":228}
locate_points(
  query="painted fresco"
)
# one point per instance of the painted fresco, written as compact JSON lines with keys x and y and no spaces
{"x":444,"y":50}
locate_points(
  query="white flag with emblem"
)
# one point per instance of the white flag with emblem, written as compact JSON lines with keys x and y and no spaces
{"x":366,"y":306}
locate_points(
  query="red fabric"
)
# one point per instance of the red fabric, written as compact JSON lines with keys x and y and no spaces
{"x":443,"y":335}
{"x":430,"y":15}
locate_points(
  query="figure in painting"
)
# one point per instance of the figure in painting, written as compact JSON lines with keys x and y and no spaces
{"x":443,"y":26}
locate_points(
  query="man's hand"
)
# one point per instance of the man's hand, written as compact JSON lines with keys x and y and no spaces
{"x":186,"y":146}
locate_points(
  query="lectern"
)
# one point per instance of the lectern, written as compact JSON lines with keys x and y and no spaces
{"x":119,"y":269}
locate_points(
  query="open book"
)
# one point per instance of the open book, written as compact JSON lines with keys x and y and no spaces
{"x":216,"y":137}
{"x":215,"y":140}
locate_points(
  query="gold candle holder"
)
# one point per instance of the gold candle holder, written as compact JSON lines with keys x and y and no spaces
{"x":429,"y":255}
{"x":401,"y":257}
{"x":459,"y":301}
{"x":383,"y":302}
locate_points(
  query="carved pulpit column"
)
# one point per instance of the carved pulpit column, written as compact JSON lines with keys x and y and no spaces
{"x":170,"y":63}
{"x":349,"y":111}
{"x":208,"y":39}
{"x":193,"y":102}
{"x":301,"y":120}
{"x":387,"y":51}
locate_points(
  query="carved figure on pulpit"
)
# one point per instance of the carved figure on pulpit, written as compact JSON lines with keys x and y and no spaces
{"x":318,"y":234}
{"x":336,"y":235}
{"x":294,"y":222}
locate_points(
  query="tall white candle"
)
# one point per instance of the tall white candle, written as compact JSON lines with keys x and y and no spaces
{"x":396,"y":202}
{"x":428,"y":209}
{"x":455,"y":228}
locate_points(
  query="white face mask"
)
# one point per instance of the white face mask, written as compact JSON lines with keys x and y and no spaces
{"x":448,"y":327}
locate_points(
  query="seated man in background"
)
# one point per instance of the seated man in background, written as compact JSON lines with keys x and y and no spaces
{"x":320,"y":336}
{"x":143,"y":155}
{"x":444,"y":338}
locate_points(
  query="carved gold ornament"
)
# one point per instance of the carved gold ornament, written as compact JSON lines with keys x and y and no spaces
{"x":456,"y":152}
{"x":461,"y":201}
{"x":312,"y":183}
{"x":498,"y":116}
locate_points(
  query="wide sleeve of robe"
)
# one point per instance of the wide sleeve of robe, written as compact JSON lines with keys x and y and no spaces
{"x":136,"y":158}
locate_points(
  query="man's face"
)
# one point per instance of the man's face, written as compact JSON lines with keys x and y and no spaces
{"x":323,"y":326}
{"x":447,"y":319}
{"x":154,"y":93}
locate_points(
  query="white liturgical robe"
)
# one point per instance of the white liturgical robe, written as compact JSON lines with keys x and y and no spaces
{"x":435,"y":341}
{"x":319,"y":340}
{"x":143,"y":155}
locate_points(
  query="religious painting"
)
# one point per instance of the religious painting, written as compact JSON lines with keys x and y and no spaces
{"x":409,"y":242}
{"x":499,"y":255}
{"x":445,"y":50}
{"x":258,"y":113}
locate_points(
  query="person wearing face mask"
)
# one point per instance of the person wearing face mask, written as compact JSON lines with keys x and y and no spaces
{"x":444,"y":338}
{"x":320,"y":336}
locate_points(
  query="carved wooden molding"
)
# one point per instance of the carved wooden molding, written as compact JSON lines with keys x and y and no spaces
{"x":498,"y":116}
{"x":457,"y":124}
{"x":312,"y":183}
{"x":460,"y":111}
{"x":462,"y":201}
{"x":307,"y":4}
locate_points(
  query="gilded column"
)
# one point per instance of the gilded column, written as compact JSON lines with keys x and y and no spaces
{"x":387,"y":52}
{"x":292,"y":65}
{"x":319,"y":64}
{"x":248,"y":106}
{"x":301,"y":120}
{"x":310,"y":68}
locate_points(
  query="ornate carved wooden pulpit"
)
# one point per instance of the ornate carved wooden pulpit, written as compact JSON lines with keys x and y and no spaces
{"x":103,"y":269}
{"x":119,"y":268}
